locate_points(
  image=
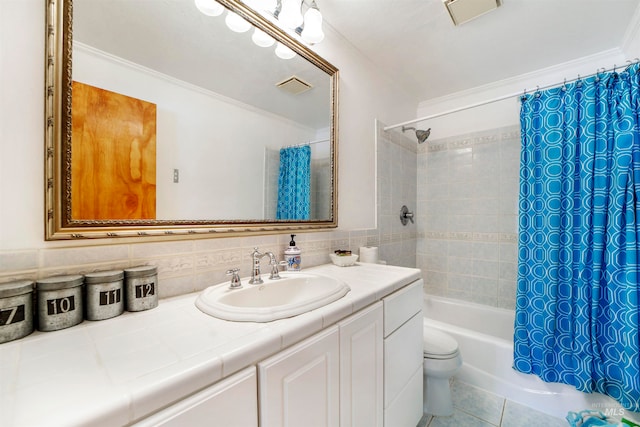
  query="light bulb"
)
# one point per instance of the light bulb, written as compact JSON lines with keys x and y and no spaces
{"x":209,"y":7}
{"x":262,"y":39}
{"x":236,"y":23}
{"x":284,"y":52}
{"x":312,"y":31}
{"x":290,"y":15}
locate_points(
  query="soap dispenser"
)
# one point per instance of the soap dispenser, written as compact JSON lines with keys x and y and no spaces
{"x":292,"y":256}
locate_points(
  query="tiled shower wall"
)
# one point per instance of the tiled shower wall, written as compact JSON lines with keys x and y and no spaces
{"x":467,"y":216}
{"x":396,"y":186}
{"x":186,"y":266}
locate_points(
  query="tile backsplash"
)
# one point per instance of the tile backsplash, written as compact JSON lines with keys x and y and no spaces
{"x":184,"y":266}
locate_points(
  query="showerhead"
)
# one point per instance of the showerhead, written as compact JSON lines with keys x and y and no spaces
{"x":422,"y":135}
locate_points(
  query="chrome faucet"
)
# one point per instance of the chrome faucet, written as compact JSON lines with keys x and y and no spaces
{"x":235,"y":278}
{"x":256,"y":256}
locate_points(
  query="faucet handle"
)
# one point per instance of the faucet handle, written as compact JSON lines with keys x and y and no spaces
{"x":235,"y":279}
{"x":275,"y":272}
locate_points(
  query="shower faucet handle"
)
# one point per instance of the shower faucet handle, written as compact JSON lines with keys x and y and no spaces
{"x":405,"y":215}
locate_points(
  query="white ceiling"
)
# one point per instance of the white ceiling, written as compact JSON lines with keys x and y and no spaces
{"x":415,"y":42}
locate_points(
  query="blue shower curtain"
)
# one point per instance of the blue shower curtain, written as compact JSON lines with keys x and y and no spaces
{"x":294,"y":183}
{"x":577,"y":308}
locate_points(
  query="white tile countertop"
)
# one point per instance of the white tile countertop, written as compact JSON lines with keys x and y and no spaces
{"x":113,"y":372}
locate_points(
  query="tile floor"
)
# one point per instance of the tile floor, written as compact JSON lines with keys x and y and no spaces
{"x":474,"y":407}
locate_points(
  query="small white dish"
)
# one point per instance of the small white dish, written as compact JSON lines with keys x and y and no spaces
{"x":343,"y":260}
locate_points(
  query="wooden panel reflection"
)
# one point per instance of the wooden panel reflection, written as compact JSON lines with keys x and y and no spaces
{"x":113,"y":155}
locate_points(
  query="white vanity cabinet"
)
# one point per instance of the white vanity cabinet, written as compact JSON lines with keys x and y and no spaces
{"x":403,"y":356}
{"x":366,"y":370}
{"x":361,"y":368}
{"x":231,"y":402}
{"x":300,"y":385}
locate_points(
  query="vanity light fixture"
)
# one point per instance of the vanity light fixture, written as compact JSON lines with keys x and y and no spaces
{"x":290,"y":15}
{"x":236,"y":23}
{"x":286,"y":12}
{"x":312,"y":30}
{"x":209,"y":7}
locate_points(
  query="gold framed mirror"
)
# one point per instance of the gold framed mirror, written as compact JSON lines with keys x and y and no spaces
{"x":160,"y":121}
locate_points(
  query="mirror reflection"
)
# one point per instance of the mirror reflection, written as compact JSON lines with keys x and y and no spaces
{"x":178,"y":118}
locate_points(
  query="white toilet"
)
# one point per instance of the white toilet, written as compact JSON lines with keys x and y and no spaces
{"x":441,"y":361}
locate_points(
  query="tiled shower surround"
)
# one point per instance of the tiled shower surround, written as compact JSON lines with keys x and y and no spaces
{"x":467,"y":216}
{"x":186,"y":266}
{"x":396,"y":185}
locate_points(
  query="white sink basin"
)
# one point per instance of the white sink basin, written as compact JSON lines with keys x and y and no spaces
{"x":293,"y":294}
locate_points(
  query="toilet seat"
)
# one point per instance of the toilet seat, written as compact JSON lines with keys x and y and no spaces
{"x":438,"y":345}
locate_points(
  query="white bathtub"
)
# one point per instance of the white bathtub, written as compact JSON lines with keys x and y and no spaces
{"x":485,"y":337}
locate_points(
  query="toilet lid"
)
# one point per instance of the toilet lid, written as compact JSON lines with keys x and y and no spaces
{"x":438,"y":343}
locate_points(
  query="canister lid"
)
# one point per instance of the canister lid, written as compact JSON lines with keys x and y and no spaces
{"x":103,"y":276}
{"x":141,"y":271}
{"x":59,"y":282}
{"x":11,"y":289}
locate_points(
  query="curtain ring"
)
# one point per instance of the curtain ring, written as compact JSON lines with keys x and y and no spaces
{"x":564,"y":85}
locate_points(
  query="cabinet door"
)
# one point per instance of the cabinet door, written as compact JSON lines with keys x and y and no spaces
{"x":300,"y":386}
{"x":231,"y":402}
{"x":361,"y":368}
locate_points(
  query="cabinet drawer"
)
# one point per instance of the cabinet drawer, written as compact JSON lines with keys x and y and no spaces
{"x":401,"y":306}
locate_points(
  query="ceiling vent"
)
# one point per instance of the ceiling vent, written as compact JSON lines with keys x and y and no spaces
{"x":462,"y":11}
{"x":294,"y":85}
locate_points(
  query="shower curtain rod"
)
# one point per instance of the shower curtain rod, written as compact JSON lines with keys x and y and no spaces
{"x":308,"y":143}
{"x":503,"y":97}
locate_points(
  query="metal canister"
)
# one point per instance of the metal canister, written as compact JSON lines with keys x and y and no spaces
{"x":104,"y":295}
{"x":141,"y":287}
{"x":60,"y":302}
{"x":16,"y":310}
